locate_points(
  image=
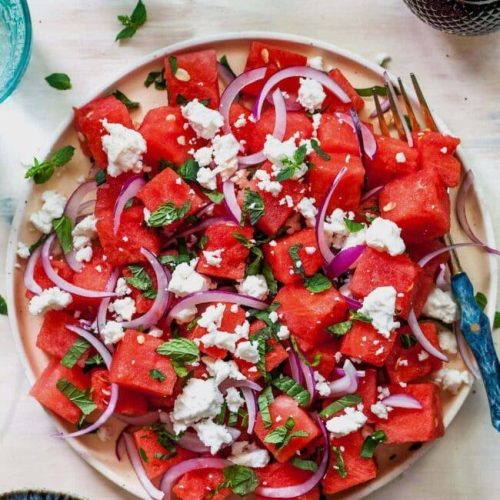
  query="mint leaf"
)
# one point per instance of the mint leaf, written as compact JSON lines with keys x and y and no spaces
{"x":353,"y":226}
{"x":340,"y":468}
{"x":317,"y":148}
{"x":59,"y":81}
{"x":167,"y":213}
{"x":125,"y":100}
{"x":42,"y":172}
{"x":76,"y":396}
{"x":223,"y":60}
{"x":63,"y":227}
{"x":213,"y":196}
{"x":143,"y":455}
{"x":340,"y":404}
{"x":180,"y":350}
{"x":317,"y":283}
{"x":264,"y":400}
{"x":272,"y":284}
{"x":172,"y":63}
{"x":133,"y":22}
{"x":358,"y":316}
{"x":76,"y":351}
{"x":157,"y":375}
{"x":189,"y":170}
{"x":3,"y":306}
{"x":371,"y":442}
{"x":157,"y":78}
{"x":240,"y":479}
{"x":371,"y":91}
{"x":93,"y":362}
{"x":253,"y":207}
{"x":309,"y":465}
{"x":407,"y":340}
{"x":293,"y":251}
{"x":283,"y":434}
{"x":100,"y":177}
{"x":292,"y":165}
{"x":293,"y":389}
{"x":141,"y":280}
{"x":340,"y":328}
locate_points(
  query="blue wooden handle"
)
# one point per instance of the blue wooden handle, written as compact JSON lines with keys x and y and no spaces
{"x":476,"y":329}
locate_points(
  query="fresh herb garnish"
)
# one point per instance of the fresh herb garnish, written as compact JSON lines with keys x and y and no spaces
{"x":317,"y":283}
{"x":223,"y":60}
{"x":39,"y":242}
{"x":63,"y":227}
{"x":317,"y":148}
{"x":133,"y":22}
{"x":184,"y":256}
{"x":189,"y":170}
{"x":125,"y":100}
{"x":141,"y":280}
{"x":407,"y":340}
{"x":3,"y":306}
{"x":482,"y":300}
{"x":371,"y":442}
{"x":340,"y":466}
{"x":76,"y":396}
{"x":42,"y":172}
{"x":76,"y":351}
{"x":341,"y":328}
{"x":293,"y":251}
{"x":100,"y":177}
{"x":272,"y":284}
{"x":157,"y":78}
{"x":253,"y":207}
{"x":167,"y":213}
{"x":283,"y":434}
{"x":214,"y":196}
{"x":240,"y":480}
{"x":264,"y":400}
{"x":180,"y":351}
{"x":371,"y":91}
{"x":59,"y":81}
{"x":340,"y":404}
{"x":359,"y":316}
{"x":262,"y":349}
{"x":353,"y":226}
{"x":292,"y":165}
{"x":293,"y":389}
{"x":309,"y":465}
{"x":143,"y":455}
{"x":157,"y":375}
{"x":173,"y":65}
{"x":93,"y":362}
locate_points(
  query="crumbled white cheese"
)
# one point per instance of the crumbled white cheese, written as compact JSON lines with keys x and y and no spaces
{"x":448,"y":341}
{"x":422,"y":356}
{"x":124,"y":148}
{"x":185,"y":315}
{"x":241,"y":121}
{"x":248,"y":351}
{"x":23,"y":251}
{"x":444,"y":150}
{"x":266,"y":184}
{"x":51,"y":299}
{"x":385,"y":236}
{"x":123,"y":308}
{"x":112,"y":332}
{"x":222,"y":340}
{"x":283,"y":333}
{"x":211,"y":318}
{"x":186,"y":280}
{"x":441,"y":305}
{"x":213,"y":257}
{"x":322,"y":386}
{"x":207,"y":178}
{"x":213,"y":435}
{"x":379,"y":305}
{"x":222,"y":370}
{"x":225,"y":151}
{"x":277,"y":152}
{"x":315,"y":62}
{"x":203,"y":120}
{"x":121,"y":288}
{"x":84,"y":232}
{"x":254,"y":286}
{"x":84,"y":254}
{"x":234,"y":400}
{"x":52,"y":208}
{"x":343,"y":425}
{"x":308,"y":210}
{"x":310,"y":250}
{"x":316,"y":122}
{"x":335,"y":227}
{"x":400,"y":157}
{"x":380,"y":410}
{"x":249,"y":455}
{"x":155,"y":332}
{"x":451,"y":379}
{"x":311,"y":94}
{"x":203,"y":156}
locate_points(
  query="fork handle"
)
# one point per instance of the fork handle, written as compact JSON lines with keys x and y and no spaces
{"x":476,"y":330}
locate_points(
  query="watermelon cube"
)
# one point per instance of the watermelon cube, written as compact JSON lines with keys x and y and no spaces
{"x":307,"y":314}
{"x":337,"y":136}
{"x":202,"y":484}
{"x":407,"y":425}
{"x":333,"y":103}
{"x":195,"y":77}
{"x":133,"y":361}
{"x":45,"y":390}
{"x":405,"y":363}
{"x":241,"y":127}
{"x":348,"y":192}
{"x":376,"y":269}
{"x":281,"y":409}
{"x":233,"y":253}
{"x":60,"y":266}
{"x":419,"y":204}
{"x":324,"y":356}
{"x":365,"y":343}
{"x":281,"y":262}
{"x":367,"y":389}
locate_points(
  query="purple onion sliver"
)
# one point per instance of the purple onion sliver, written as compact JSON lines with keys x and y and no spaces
{"x":249,"y":384}
{"x":249,"y":396}
{"x":200,"y":227}
{"x":295,"y":369}
{"x":29,"y":273}
{"x":74,"y":203}
{"x":402,"y":401}
{"x":102,"y":310}
{"x":371,"y":193}
{"x":131,"y":187}
{"x":422,"y":339}
{"x":353,"y":304}
{"x":344,"y":260}
{"x":309,"y":380}
{"x":427,"y":258}
{"x":385,"y":105}
{"x":365,"y":136}
{"x":291,"y":102}
{"x":140,"y":420}
{"x":228,"y":188}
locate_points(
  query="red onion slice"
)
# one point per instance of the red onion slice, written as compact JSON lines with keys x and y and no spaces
{"x":214,"y":296}
{"x":443,"y":279}
{"x":309,"y":380}
{"x":293,"y":361}
{"x":465,"y":353}
{"x":102,"y":310}
{"x":402,"y":401}
{"x":345,"y":259}
{"x":61,"y":282}
{"x":348,"y":384}
{"x":353,"y":304}
{"x":248,"y":384}
{"x":301,"y":489}
{"x":140,"y":420}
{"x":367,"y":141}
{"x":200,"y":227}
{"x":461,"y":211}
{"x":162,"y":300}
{"x":422,"y":339}
{"x":228,"y":188}
{"x":299,"y":71}
{"x":120,"y":443}
{"x":131,"y":187}
{"x":323,"y":246}
{"x":371,"y":193}
{"x":409,"y":137}
{"x":135,"y":460}
{"x":385,"y":106}
{"x":29,"y":273}
{"x":106,"y":356}
{"x":177,"y":471}
{"x":249,"y":396}
{"x":427,"y":258}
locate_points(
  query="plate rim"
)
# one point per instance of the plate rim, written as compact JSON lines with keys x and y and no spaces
{"x":192,"y":43}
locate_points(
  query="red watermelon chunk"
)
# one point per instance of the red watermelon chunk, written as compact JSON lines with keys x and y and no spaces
{"x":60,"y":267}
{"x":47,"y":394}
{"x":348,"y":192}
{"x":281,"y":409}
{"x":242,"y":127}
{"x":202,"y":484}
{"x":336,"y":135}
{"x":365,"y":343}
{"x":385,"y":167}
{"x":419,"y":204}
{"x":233,"y":255}
{"x":406,"y":425}
{"x":88,"y":122}
{"x":158,"y":459}
{"x":359,"y":469}
{"x":282,"y":264}
{"x":376,"y":269}
{"x":308,"y":314}
{"x":133,"y":360}
{"x":324,"y":355}
{"x":274,"y":59}
{"x":406,"y":364}
{"x":167,"y":138}
{"x":367,"y":389}
{"x":333,"y":103}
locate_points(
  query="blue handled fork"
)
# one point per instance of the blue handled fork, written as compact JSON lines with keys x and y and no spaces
{"x":474,"y":323}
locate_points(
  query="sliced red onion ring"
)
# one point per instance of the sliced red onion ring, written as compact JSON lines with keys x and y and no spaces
{"x":249,"y":384}
{"x":131,"y":187}
{"x":177,"y":471}
{"x":309,"y":380}
{"x":443,"y":279}
{"x":162,"y":300}
{"x":214,"y":296}
{"x":293,"y":361}
{"x":291,"y":102}
{"x":228,"y":188}
{"x":341,"y":372}
{"x":141,"y":420}
{"x":232,"y":91}
{"x":323,"y":246}
{"x":301,"y":489}
{"x":299,"y":71}
{"x":225,"y":74}
{"x":344,"y":260}
{"x":29,"y":273}
{"x":371,"y":193}
{"x":135,"y":460}
{"x":102,"y":310}
{"x":366,"y":140}
{"x":61,"y":282}
{"x":353,"y":304}
{"x":249,"y":396}
{"x":427,"y":258}
{"x":120,"y":443}
{"x":422,"y":339}
{"x":385,"y":105}
{"x":409,"y":137}
{"x":461,"y":211}
{"x":106,"y":356}
{"x":402,"y":401}
{"x":348,"y":384}
{"x":200,"y":227}
{"x":465,"y":353}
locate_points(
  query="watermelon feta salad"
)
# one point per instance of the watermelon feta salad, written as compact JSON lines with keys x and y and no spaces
{"x":252,"y":281}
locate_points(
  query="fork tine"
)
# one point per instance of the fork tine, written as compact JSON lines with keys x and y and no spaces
{"x":380,"y":115}
{"x":395,"y":114}
{"x":409,"y":109}
{"x":429,"y":121}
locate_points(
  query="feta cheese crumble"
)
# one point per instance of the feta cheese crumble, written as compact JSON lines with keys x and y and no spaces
{"x":380,"y":410}
{"x":112,"y":332}
{"x":203,"y":120}
{"x":249,"y":455}
{"x":51,"y":299}
{"x":311,"y":94}
{"x":122,"y":288}
{"x":400,"y":157}
{"x":451,"y":379}
{"x":213,"y":435}
{"x":385,"y":236}
{"x":343,"y":425}
{"x":276,"y":151}
{"x":222,"y":370}
{"x":23,"y":251}
{"x":448,"y":341}
{"x":234,"y":400}
{"x":203,"y":156}
{"x":283,"y":332}
{"x":248,"y":351}
{"x":322,"y":386}
{"x":254,"y":286}
{"x":123,"y":308}
{"x":84,"y":254}
{"x":266,"y":184}
{"x":308,"y":210}
{"x":379,"y":305}
{"x":441,"y":305}
{"x":84,"y":232}
{"x":52,"y":208}
{"x":185,"y":315}
{"x":315,"y":62}
{"x":213,"y":257}
{"x":186,"y":280}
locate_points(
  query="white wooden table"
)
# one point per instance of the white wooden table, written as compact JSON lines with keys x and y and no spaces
{"x":460,"y":77}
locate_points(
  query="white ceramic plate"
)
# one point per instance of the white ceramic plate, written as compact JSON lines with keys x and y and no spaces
{"x":481,"y":267}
